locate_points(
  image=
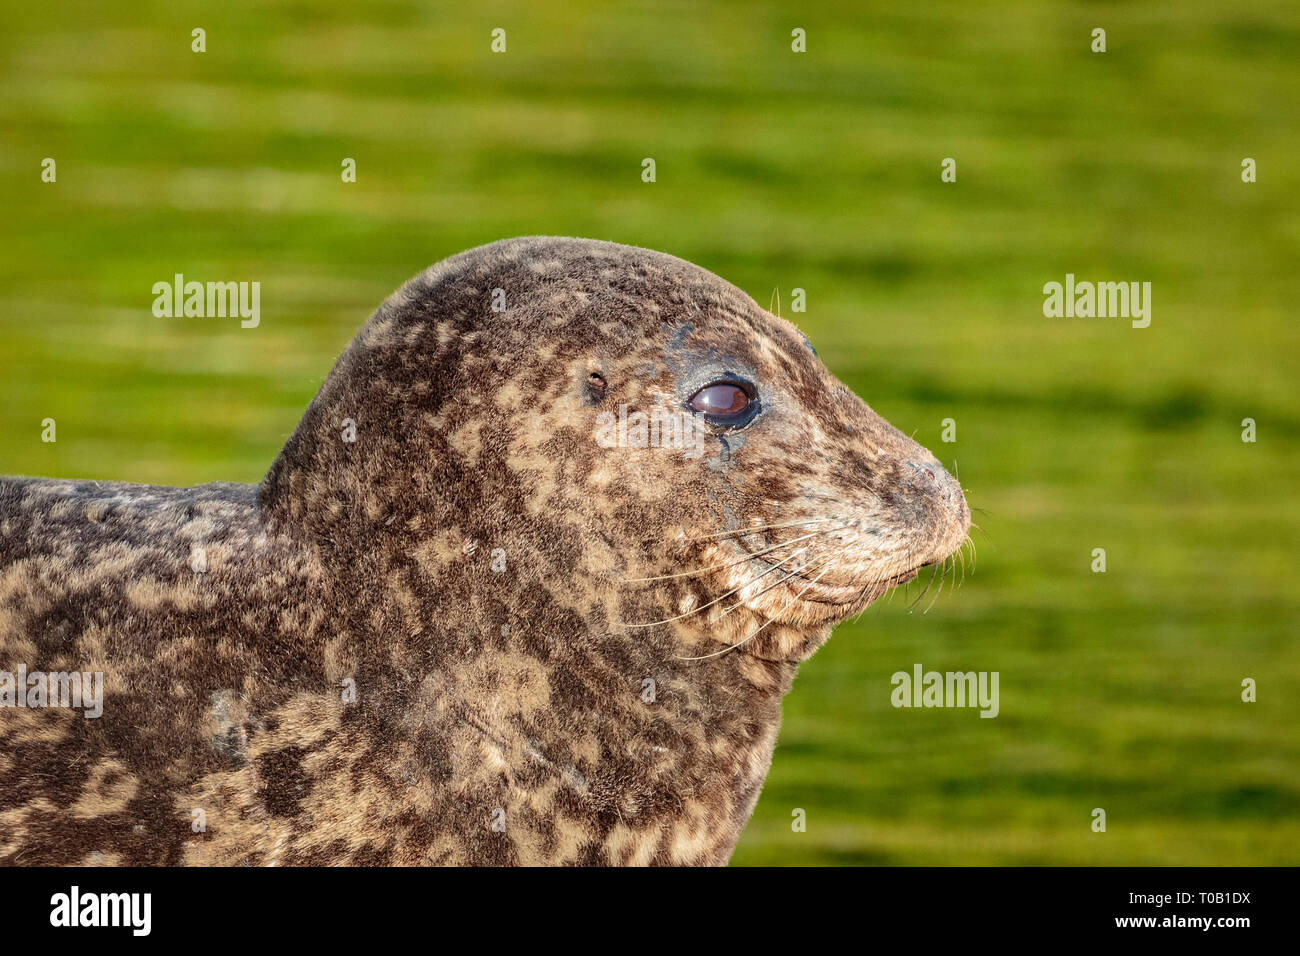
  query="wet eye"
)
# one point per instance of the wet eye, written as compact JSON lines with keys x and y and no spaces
{"x":725,"y":403}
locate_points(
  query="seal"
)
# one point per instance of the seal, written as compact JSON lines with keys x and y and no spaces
{"x":526,"y":586}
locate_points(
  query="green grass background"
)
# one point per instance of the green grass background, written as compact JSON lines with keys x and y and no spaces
{"x":819,"y":171}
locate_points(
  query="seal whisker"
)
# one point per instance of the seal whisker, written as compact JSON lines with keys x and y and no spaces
{"x":928,"y":584}
{"x":825,"y":559}
{"x":968,"y":543}
{"x":716,"y":599}
{"x":939,"y":590}
{"x":757,"y":528}
{"x":761,"y":626}
{"x":732,"y":564}
{"x":925,"y":590}
{"x":880,"y":577}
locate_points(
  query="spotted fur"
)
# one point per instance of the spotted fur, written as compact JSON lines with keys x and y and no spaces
{"x":437,"y":643}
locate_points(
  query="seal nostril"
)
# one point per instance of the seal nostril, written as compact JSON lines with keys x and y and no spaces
{"x":928,"y":470}
{"x":938,"y":477}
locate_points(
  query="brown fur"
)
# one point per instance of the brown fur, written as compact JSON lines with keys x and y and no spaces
{"x":471,"y":565}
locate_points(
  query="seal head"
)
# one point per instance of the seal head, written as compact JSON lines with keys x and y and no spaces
{"x":491,"y":395}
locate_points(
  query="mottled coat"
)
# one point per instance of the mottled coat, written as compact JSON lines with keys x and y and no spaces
{"x":417,"y":640}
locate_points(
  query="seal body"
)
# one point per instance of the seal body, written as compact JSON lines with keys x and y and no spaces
{"x":477,"y":612}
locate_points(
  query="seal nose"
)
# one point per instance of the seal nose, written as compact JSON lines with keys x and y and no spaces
{"x":933,"y":473}
{"x":946,"y":507}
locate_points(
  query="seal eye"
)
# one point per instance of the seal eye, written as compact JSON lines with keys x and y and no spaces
{"x":725,"y":403}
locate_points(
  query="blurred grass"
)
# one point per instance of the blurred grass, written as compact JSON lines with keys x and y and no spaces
{"x":818,"y":171}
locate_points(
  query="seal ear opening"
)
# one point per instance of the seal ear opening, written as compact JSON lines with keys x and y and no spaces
{"x":595,"y":387}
